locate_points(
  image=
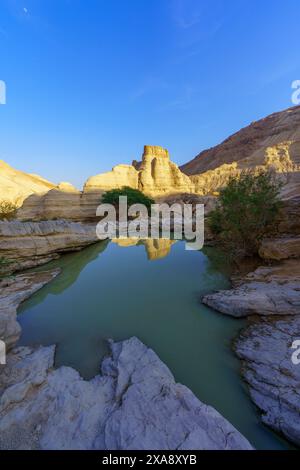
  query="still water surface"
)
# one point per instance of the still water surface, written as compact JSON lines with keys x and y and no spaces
{"x":151,"y":290}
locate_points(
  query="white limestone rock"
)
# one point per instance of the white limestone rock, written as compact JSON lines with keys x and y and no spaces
{"x":13,"y":291}
{"x":274,"y":381}
{"x":134,"y":404}
{"x":270,"y":290}
{"x":29,"y":244}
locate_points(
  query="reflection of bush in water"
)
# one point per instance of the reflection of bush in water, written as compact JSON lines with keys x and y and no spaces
{"x":218,"y":261}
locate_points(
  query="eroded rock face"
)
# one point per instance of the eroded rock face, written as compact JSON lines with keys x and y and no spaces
{"x":272,"y":293}
{"x":280,"y":248}
{"x":267,"y":291}
{"x":273,"y":379}
{"x":274,"y":140}
{"x":63,"y":202}
{"x":29,"y":244}
{"x":134,"y":404}
{"x":272,"y":143}
{"x":119,"y":176}
{"x":13,"y":291}
{"x":154,"y":175}
{"x":16,"y":186}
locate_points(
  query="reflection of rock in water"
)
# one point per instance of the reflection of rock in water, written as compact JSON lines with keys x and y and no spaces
{"x":125,"y":242}
{"x":155,"y":248}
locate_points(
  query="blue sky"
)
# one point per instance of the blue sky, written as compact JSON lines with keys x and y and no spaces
{"x":89,"y":82}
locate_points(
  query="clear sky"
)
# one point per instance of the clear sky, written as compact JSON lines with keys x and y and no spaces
{"x":89,"y":82}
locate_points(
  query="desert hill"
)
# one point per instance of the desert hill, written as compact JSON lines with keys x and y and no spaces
{"x":16,"y":185}
{"x":248,"y":146}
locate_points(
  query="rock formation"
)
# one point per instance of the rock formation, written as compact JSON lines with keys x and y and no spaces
{"x":13,"y":291}
{"x":155,"y":175}
{"x":134,"y":404}
{"x":273,"y":379}
{"x":272,"y":142}
{"x":272,"y":295}
{"x":16,"y":186}
{"x":274,"y":139}
{"x":29,"y":244}
{"x":270,"y":290}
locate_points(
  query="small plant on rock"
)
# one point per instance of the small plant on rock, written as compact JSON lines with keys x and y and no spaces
{"x":7,"y":210}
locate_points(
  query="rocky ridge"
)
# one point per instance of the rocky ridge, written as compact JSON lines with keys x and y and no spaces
{"x":274,"y":139}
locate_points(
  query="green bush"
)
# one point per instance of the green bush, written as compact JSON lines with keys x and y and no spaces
{"x":134,"y":196}
{"x":7,"y":210}
{"x":246,"y":212}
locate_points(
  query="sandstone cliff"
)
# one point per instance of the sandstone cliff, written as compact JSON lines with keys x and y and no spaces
{"x":16,"y":186}
{"x":154,"y":175}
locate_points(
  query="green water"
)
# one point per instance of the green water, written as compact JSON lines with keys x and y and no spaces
{"x":111,"y":291}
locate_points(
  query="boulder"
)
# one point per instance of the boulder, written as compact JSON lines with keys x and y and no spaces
{"x":270,"y":290}
{"x":274,"y":380}
{"x":135,"y":404}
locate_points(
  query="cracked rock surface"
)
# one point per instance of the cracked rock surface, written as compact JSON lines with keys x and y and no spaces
{"x":274,"y":381}
{"x":273,"y":290}
{"x":273,"y":293}
{"x":134,"y":404}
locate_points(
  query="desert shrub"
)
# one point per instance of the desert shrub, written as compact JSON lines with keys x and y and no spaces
{"x":7,"y":210}
{"x":246,"y":212}
{"x":134,"y":196}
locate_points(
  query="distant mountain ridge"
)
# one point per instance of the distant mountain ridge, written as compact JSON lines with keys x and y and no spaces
{"x":248,"y":146}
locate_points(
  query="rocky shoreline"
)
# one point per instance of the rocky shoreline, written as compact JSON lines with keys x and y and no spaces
{"x":30,"y":244}
{"x":13,"y":291}
{"x":134,"y":403}
{"x":270,"y":296}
